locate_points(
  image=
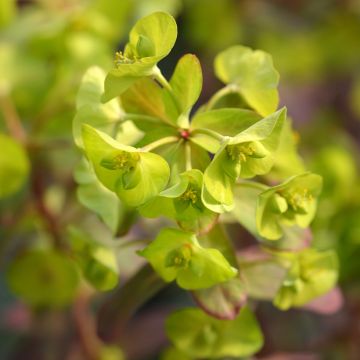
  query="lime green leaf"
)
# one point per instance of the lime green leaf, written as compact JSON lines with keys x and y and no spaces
{"x":172,"y":353}
{"x":176,"y":254}
{"x":43,"y":278}
{"x":287,"y":160}
{"x":186,"y":82}
{"x":262,"y":273}
{"x":97,"y":262}
{"x":254,"y":75}
{"x":7,"y":12}
{"x":14,"y":166}
{"x":228,"y":121}
{"x":90,"y":110}
{"x":311,"y":274}
{"x":292,"y":202}
{"x":182,"y":202}
{"x":146,"y":97}
{"x":151,"y":39}
{"x":249,"y":153}
{"x":201,"y":336}
{"x":133,"y":175}
{"x":222,"y":301}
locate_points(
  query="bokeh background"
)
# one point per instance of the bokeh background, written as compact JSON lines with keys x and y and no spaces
{"x":46,"y":46}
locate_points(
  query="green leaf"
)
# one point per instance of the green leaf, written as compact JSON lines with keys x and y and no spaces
{"x":222,"y":301}
{"x":97,"y":262}
{"x":172,"y":353}
{"x":186,"y":82}
{"x":14,"y":166}
{"x":311,"y":274}
{"x":151,"y":39}
{"x":253,"y":74}
{"x":146,"y":97}
{"x":287,"y":160}
{"x":247,"y":154}
{"x":135,"y":176}
{"x":227,"y":121}
{"x":292,"y":202}
{"x":182,"y":202}
{"x":7,"y":12}
{"x":43,"y":278}
{"x":262,"y":273}
{"x":176,"y":254}
{"x":201,"y":336}
{"x":90,"y":110}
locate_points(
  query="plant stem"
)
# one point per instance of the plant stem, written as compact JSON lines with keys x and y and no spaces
{"x":219,"y":94}
{"x":188,"y":156}
{"x":86,"y":328}
{"x":123,"y":303}
{"x":12,"y":119}
{"x":165,"y":84}
{"x":209,"y":132}
{"x":160,"y":142}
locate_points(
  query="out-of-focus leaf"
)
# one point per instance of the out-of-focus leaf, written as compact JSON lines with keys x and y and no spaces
{"x":202,"y":336}
{"x":14,"y":166}
{"x":97,"y":262}
{"x":222,"y":301}
{"x":254,"y":75}
{"x":43,"y":278}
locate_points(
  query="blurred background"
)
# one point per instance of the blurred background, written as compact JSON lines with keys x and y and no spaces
{"x":45,"y":48}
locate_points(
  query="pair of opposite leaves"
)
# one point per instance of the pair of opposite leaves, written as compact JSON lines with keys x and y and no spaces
{"x":251,"y":73}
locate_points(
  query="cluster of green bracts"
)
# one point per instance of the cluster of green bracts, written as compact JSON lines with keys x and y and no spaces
{"x":135,"y":130}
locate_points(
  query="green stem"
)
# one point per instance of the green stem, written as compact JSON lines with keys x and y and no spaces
{"x":188,"y":156}
{"x":208,"y":132}
{"x":160,"y":142}
{"x":219,"y":94}
{"x":164,"y":83}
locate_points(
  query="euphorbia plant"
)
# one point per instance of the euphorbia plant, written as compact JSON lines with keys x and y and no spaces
{"x":149,"y":151}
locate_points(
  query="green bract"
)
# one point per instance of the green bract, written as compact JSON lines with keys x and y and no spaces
{"x":183,"y":203}
{"x":176,"y":254}
{"x":201,"y":336}
{"x":290,"y":203}
{"x":245,"y":155}
{"x":252,"y":74}
{"x":311,"y":274}
{"x":151,"y":39}
{"x":135,"y":176}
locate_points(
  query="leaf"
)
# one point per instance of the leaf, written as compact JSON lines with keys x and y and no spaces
{"x":151,"y":39}
{"x":226,"y":121}
{"x":201,"y":336}
{"x":97,"y":263}
{"x":14,"y":166}
{"x":43,"y":278}
{"x":7,"y":12}
{"x":172,"y":353}
{"x":146,"y":97}
{"x":292,"y":202}
{"x":287,"y":160}
{"x":222,"y":301}
{"x":254,"y":75}
{"x":90,"y":110}
{"x":186,"y":82}
{"x":263,"y":274}
{"x":176,"y":254}
{"x":143,"y":176}
{"x":311,"y":274}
